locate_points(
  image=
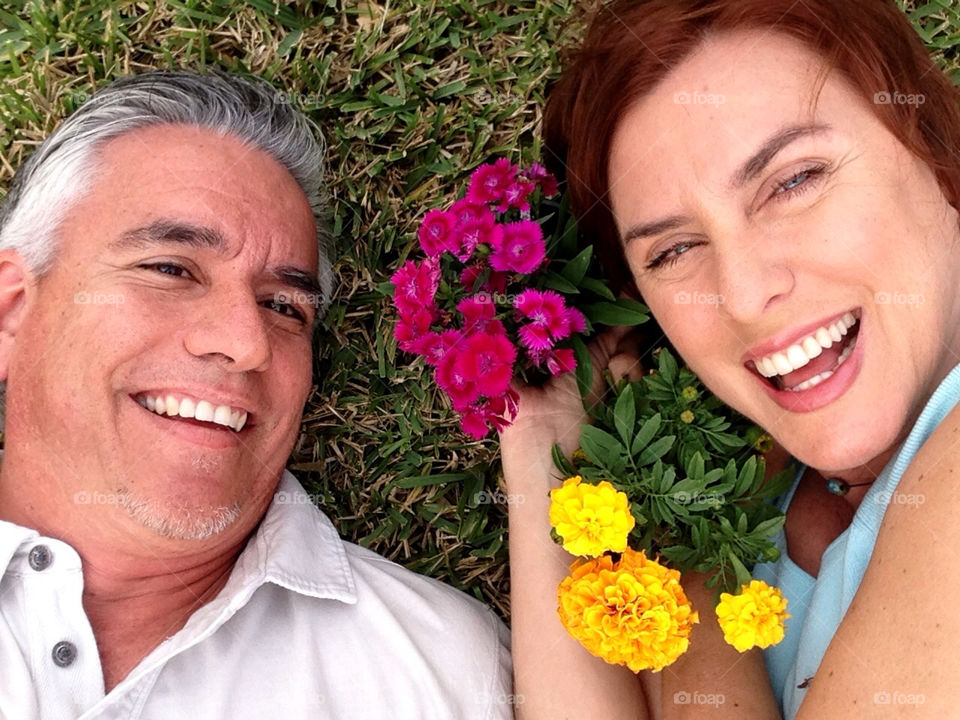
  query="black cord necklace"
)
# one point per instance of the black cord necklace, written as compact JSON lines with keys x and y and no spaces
{"x":842,"y":487}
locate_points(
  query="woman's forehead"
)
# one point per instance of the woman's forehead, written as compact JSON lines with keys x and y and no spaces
{"x":718,"y":106}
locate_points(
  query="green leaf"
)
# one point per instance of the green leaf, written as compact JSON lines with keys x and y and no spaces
{"x":597,"y":287}
{"x":770,"y":527}
{"x":667,"y":366}
{"x":625,"y":415}
{"x":584,"y":371}
{"x":695,"y":468}
{"x":645,"y":434}
{"x":743,"y":575}
{"x":746,"y":476}
{"x":623,"y":312}
{"x":561,"y":462}
{"x":559,"y":283}
{"x":656,"y":450}
{"x":435,"y":479}
{"x":575,"y":270}
{"x":600,"y":446}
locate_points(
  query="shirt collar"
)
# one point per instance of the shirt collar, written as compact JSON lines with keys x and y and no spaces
{"x":11,"y":538}
{"x":296,"y":547}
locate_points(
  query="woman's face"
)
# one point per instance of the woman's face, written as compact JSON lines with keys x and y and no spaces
{"x":755,"y":216}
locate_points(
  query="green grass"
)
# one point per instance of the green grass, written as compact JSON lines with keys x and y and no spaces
{"x":411,"y":95}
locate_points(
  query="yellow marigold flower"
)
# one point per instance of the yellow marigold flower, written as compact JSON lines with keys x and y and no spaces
{"x":686,"y":416}
{"x":591,"y":519}
{"x":689,"y":392}
{"x":754,"y":617}
{"x":632,"y":612}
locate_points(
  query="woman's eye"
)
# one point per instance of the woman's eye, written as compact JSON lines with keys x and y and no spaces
{"x":671,"y":255}
{"x":798,"y":183}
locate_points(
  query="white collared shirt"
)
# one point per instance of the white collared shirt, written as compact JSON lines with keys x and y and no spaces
{"x":307,"y":626}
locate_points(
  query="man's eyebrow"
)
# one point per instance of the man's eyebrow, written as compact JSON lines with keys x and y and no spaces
{"x":298,"y":279}
{"x":754,"y":165}
{"x":171,"y":231}
{"x":768,"y":151}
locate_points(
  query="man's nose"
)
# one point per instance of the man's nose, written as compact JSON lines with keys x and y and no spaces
{"x":230,"y":325}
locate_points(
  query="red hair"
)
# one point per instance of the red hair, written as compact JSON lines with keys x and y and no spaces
{"x":631,"y":45}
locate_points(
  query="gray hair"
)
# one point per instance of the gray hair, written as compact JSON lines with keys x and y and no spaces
{"x":60,"y":171}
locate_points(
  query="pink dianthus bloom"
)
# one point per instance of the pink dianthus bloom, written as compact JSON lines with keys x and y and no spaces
{"x":435,"y":346}
{"x":544,"y":178}
{"x":517,"y":196}
{"x":437,"y":233}
{"x":479,"y":314}
{"x":415,"y":285}
{"x":561,"y":361}
{"x":486,"y":359}
{"x":489,"y":182}
{"x":496,"y":411}
{"x":547,"y":309}
{"x":520,"y":249}
{"x":482,"y":229}
{"x":411,"y":327}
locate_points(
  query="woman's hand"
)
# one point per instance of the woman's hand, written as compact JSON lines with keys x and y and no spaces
{"x":553,"y":675}
{"x":553,"y":414}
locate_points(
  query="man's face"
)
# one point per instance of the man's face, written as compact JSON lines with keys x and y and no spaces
{"x":165,"y":287}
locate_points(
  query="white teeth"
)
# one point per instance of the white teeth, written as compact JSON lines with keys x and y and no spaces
{"x":187,"y":408}
{"x":817,"y":379}
{"x":811,"y":347}
{"x":202,"y":410}
{"x":798,"y":355}
{"x":781,"y":363}
{"x":823,"y":337}
{"x":222,"y":416}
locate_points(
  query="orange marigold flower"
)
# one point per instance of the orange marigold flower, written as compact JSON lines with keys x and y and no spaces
{"x":591,"y":519}
{"x":631,"y":612}
{"x":753,"y":618}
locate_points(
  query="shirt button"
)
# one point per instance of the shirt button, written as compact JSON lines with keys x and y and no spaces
{"x":64,"y":653}
{"x":40,"y":557}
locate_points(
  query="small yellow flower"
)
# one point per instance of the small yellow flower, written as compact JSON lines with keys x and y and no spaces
{"x":763,"y":444}
{"x":754,"y":617}
{"x":632,"y":612}
{"x":689,"y":392}
{"x":686,"y":416}
{"x":591,"y":519}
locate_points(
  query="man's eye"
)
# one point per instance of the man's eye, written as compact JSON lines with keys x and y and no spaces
{"x":284,"y":309}
{"x":167,"y":268}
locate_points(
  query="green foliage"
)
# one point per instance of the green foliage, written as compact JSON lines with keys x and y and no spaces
{"x":697,"y":485}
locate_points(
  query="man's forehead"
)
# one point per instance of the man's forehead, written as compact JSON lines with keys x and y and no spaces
{"x":203,"y":180}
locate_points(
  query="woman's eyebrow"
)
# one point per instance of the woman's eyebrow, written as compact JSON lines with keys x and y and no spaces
{"x":754,"y":165}
{"x":768,"y":151}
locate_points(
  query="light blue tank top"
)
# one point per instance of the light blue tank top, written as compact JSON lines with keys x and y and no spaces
{"x":817,"y":605}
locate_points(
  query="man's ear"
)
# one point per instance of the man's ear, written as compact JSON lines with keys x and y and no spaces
{"x":15,"y":280}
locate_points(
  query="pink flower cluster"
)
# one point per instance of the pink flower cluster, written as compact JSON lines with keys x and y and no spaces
{"x":475,"y":357}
